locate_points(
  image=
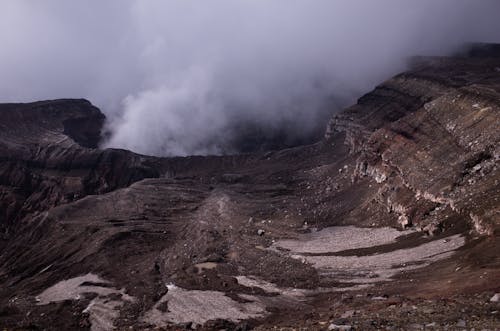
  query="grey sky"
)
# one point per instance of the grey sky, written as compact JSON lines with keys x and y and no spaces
{"x":175,"y":76}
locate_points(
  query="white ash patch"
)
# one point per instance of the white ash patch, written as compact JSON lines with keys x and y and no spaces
{"x":340,"y":238}
{"x":366,"y":269}
{"x":198,"y":307}
{"x":102,"y":310}
{"x":289,"y":293}
{"x":102,"y":313}
{"x":250,"y":281}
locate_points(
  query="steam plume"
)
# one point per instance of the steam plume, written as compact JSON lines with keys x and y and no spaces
{"x":186,"y":77}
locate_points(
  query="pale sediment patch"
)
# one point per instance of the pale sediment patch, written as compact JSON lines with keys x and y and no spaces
{"x":365,"y":269}
{"x":195,"y":306}
{"x":72,"y":289}
{"x":250,"y":281}
{"x":381,"y":267}
{"x":340,"y":238}
{"x":289,"y":293}
{"x":102,"y":310}
{"x":102,"y":313}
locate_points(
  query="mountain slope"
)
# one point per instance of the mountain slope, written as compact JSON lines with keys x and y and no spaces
{"x":403,"y":189}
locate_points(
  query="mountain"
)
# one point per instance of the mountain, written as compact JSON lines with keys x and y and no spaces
{"x":391,"y":221}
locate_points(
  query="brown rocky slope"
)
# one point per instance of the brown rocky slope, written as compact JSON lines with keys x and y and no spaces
{"x":389,"y":222}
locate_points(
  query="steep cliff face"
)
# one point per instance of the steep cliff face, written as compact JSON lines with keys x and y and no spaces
{"x":403,"y":189}
{"x":433,"y":134}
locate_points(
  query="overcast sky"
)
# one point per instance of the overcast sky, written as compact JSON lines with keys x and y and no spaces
{"x":175,"y":77}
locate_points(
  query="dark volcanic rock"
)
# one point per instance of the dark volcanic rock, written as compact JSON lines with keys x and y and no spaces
{"x":50,"y":122}
{"x":436,"y":148}
{"x":48,"y":156}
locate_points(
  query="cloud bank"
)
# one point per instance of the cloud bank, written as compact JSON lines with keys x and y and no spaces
{"x":180,"y":77}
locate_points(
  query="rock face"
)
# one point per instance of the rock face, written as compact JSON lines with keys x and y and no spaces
{"x":48,"y":156}
{"x":276,"y":238}
{"x":430,"y":137}
{"x":440,"y":146}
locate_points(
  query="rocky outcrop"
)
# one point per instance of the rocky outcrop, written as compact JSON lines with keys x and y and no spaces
{"x":48,"y":156}
{"x":439,"y":146}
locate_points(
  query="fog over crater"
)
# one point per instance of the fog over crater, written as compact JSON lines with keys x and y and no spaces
{"x":185,"y":77}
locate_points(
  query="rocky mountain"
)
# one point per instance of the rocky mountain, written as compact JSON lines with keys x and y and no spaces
{"x":391,"y":221}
